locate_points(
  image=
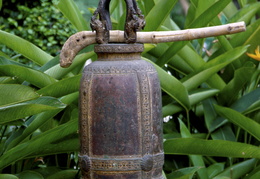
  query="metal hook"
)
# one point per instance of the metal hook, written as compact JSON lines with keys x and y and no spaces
{"x":134,"y":21}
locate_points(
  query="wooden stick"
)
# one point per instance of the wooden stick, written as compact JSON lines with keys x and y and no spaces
{"x":82,"y":39}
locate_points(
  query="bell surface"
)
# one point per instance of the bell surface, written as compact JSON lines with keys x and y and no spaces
{"x":120,"y":123}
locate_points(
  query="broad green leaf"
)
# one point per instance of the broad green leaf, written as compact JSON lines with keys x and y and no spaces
{"x":215,"y":168}
{"x":196,"y":9}
{"x":14,"y":93}
{"x":185,"y":173}
{"x":48,"y":170}
{"x":173,"y":87}
{"x":59,"y":72}
{"x":240,"y":105}
{"x":252,"y":40}
{"x":201,"y":21}
{"x":37,"y":122}
{"x":72,"y":12}
{"x":208,"y":69}
{"x":30,"y":174}
{"x":7,"y":80}
{"x":247,"y":37}
{"x":65,"y":174}
{"x":254,"y":107}
{"x":61,"y":139}
{"x":238,"y":170}
{"x":209,"y":111}
{"x":196,"y":97}
{"x":153,"y":22}
{"x":1,"y":2}
{"x":202,"y":94}
{"x":218,"y":148}
{"x":245,"y":101}
{"x":61,"y":88}
{"x":40,"y":119}
{"x":224,"y":132}
{"x":246,"y":13}
{"x":13,"y":112}
{"x":242,"y":3}
{"x":255,"y":174}
{"x":4,"y":55}
{"x":196,"y":159}
{"x":237,"y":118}
{"x":8,"y":176}
{"x":238,"y":82}
{"x":25,"y":48}
{"x":32,"y":76}
{"x":149,"y":4}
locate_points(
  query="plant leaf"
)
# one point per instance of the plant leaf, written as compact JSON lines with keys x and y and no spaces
{"x":39,"y":120}
{"x":184,"y":173}
{"x":32,"y":76}
{"x":208,"y":69}
{"x":14,"y":93}
{"x":72,"y":12}
{"x":58,"y":72}
{"x":220,"y":148}
{"x":61,"y":139}
{"x":237,"y":118}
{"x":196,"y":159}
{"x":173,"y":87}
{"x":13,"y":112}
{"x":25,"y":48}
{"x":65,"y":174}
{"x":62,"y":88}
{"x":8,"y":176}
{"x":238,"y":170}
{"x":201,"y":21}
{"x":153,"y":24}
{"x":30,"y":174}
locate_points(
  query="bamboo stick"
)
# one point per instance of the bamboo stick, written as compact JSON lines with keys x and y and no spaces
{"x":82,"y":39}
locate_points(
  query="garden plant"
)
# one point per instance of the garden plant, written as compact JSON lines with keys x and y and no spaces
{"x":210,"y":87}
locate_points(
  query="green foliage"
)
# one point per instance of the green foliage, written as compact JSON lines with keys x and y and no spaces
{"x":42,"y":25}
{"x":210,"y":89}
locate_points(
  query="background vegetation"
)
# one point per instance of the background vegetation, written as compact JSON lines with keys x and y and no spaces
{"x":210,"y":87}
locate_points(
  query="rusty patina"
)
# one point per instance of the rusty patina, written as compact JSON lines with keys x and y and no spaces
{"x":120,"y":115}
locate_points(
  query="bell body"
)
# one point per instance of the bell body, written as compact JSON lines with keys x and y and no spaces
{"x":120,"y":123}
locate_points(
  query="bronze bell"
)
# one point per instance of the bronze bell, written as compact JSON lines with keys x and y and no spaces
{"x":120,"y":121}
{"x":120,"y":115}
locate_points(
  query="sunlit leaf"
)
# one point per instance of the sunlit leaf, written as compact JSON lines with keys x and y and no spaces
{"x":24,"y":47}
{"x":221,"y":148}
{"x":8,"y":176}
{"x":32,"y":76}
{"x":40,"y":119}
{"x":65,"y":174}
{"x":195,"y":159}
{"x":72,"y":12}
{"x":14,"y":93}
{"x":30,"y":174}
{"x":58,"y":72}
{"x":173,"y":87}
{"x":185,"y":173}
{"x":61,"y":88}
{"x":208,"y":69}
{"x":237,"y":118}
{"x":13,"y":112}
{"x":246,"y":13}
{"x":201,"y":21}
{"x":238,"y":170}
{"x":61,"y":139}
{"x":153,"y":22}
